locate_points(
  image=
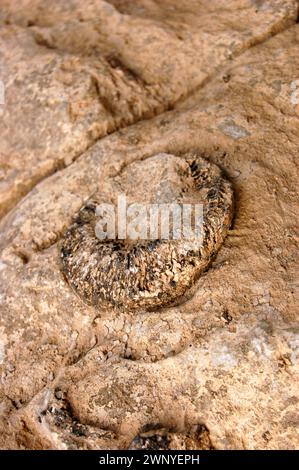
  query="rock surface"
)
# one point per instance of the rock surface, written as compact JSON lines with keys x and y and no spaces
{"x":219,"y":370}
{"x":158,"y":270}
{"x":75,"y":71}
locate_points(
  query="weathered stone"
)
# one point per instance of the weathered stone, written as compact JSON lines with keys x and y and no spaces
{"x":226,"y":360}
{"x":74,"y":72}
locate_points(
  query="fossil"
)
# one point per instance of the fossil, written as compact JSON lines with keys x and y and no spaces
{"x":148,"y":274}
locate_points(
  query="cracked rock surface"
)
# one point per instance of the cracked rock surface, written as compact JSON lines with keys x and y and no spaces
{"x":92,"y":88}
{"x":76,"y":71}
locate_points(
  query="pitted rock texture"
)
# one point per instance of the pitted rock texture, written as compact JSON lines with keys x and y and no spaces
{"x":76,"y":71}
{"x":150,"y":273}
{"x":163,"y":439}
{"x":218,"y":370}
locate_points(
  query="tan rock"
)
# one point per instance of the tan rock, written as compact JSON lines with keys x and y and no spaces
{"x":217,"y":371}
{"x":74,"y":72}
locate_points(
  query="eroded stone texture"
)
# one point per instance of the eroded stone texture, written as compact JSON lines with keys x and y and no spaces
{"x":158,"y":269}
{"x":226,"y":360}
{"x":75,"y":71}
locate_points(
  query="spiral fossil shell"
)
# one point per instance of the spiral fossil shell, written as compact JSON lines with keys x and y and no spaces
{"x":148,"y":274}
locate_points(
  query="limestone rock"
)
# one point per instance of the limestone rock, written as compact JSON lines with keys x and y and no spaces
{"x":76,"y":71}
{"x":219,"y":370}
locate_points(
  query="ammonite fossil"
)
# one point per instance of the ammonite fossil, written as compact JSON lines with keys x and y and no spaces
{"x":148,"y":273}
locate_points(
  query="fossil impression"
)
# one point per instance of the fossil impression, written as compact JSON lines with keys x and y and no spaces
{"x":156,"y":272}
